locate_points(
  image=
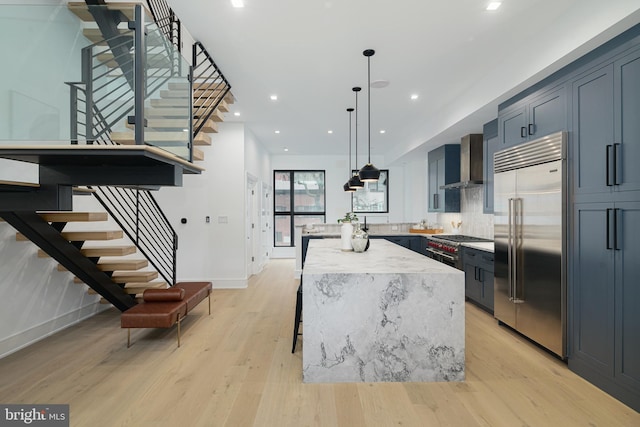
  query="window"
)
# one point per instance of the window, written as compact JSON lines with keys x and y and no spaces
{"x":374,"y":197}
{"x":299,"y":199}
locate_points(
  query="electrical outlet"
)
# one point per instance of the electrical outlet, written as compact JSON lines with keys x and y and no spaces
{"x":394,"y":228}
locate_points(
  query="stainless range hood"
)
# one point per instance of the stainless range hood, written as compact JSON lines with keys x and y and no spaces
{"x":471,"y":154}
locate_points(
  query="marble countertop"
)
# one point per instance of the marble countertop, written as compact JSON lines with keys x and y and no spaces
{"x":324,"y":256}
{"x":483,"y":246}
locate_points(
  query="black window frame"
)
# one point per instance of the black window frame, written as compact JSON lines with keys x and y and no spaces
{"x":292,"y":213}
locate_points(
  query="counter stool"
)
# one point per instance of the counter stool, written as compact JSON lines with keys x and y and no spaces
{"x":297,"y":321}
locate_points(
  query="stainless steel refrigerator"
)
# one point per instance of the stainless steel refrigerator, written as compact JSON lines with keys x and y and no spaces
{"x":530,"y":240}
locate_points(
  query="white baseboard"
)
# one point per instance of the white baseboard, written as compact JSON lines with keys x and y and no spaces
{"x":36,"y":333}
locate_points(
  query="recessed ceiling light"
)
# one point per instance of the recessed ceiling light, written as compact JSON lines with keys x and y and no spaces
{"x":286,"y":149}
{"x":277,"y":131}
{"x":274,"y":97}
{"x":414,"y":96}
{"x":494,"y":5}
{"x":329,"y":132}
{"x":237,"y":3}
{"x":383,"y":131}
{"x":237,"y":114}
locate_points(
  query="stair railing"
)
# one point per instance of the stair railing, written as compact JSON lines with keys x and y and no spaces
{"x":210,"y":87}
{"x":167,"y":21}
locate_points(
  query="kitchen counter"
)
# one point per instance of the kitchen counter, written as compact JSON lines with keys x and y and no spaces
{"x":483,"y":246}
{"x":388,"y":314}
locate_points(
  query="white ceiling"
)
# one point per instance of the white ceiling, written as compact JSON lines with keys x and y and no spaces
{"x":459,"y":58}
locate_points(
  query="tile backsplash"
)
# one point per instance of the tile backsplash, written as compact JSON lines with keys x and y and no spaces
{"x":474,"y":222}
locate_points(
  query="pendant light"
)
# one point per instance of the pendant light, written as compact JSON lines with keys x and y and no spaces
{"x":355,"y":182}
{"x":369,"y":173}
{"x":346,"y":186}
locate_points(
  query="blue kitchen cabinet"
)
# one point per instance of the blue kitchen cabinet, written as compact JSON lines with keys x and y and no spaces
{"x":478,"y":277}
{"x":627,"y":130}
{"x":604,"y":290}
{"x":541,"y":113}
{"x":491,"y":144}
{"x":444,"y":168}
{"x":605,"y":296}
{"x":593,"y":132}
{"x":606,"y":128}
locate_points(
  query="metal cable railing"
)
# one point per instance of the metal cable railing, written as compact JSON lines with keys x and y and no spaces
{"x":210,"y":87}
{"x":136,"y":211}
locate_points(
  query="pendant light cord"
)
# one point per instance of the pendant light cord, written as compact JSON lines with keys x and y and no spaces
{"x":350,"y":110}
{"x":369,"y":103}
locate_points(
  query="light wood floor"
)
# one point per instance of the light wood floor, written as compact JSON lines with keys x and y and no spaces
{"x":235,"y":368}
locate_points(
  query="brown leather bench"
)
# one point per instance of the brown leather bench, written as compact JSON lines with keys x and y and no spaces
{"x":163,"y":308}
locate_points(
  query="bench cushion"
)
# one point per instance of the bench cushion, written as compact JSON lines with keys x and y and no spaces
{"x":163,"y":295}
{"x":164,"y":314}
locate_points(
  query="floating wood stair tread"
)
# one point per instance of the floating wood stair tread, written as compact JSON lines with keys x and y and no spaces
{"x":138,"y":288}
{"x":100,"y":251}
{"x":154,"y":60}
{"x":81,"y":10}
{"x":73,"y":216}
{"x":129,"y":276}
{"x":177,"y":113}
{"x":214,"y":87}
{"x":18,"y":186}
{"x":184,"y":102}
{"x":163,"y":125}
{"x":95,"y":36}
{"x":81,"y":236}
{"x":158,"y":138}
{"x":82,"y":191}
{"x":118,"y":265}
{"x":134,"y":276}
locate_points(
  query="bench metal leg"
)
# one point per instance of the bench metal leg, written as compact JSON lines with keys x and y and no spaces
{"x":179,"y":320}
{"x":128,"y":337}
{"x":209,"y":298}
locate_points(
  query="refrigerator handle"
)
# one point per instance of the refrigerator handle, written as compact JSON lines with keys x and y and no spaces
{"x":510,"y":250}
{"x":518,"y":219}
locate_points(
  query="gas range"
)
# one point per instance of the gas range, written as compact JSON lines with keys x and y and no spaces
{"x":446,"y":247}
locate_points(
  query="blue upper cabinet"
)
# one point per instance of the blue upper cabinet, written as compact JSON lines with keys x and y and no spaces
{"x":444,"y":168}
{"x":491,"y":144}
{"x":606,"y":128}
{"x":593,"y":132}
{"x":627,"y":125}
{"x":537,"y":115}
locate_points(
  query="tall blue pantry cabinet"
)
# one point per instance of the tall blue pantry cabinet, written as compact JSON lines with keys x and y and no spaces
{"x":605,"y":292}
{"x":596,"y":100}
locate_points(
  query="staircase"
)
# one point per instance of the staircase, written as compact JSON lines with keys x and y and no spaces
{"x":136,"y":119}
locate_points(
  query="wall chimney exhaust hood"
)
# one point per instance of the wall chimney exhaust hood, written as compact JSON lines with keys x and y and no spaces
{"x":471,"y":154}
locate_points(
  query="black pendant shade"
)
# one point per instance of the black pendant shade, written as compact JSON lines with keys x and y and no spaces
{"x":369,"y":173}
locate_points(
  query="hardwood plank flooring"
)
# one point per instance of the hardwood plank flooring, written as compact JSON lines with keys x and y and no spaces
{"x":235,"y":368}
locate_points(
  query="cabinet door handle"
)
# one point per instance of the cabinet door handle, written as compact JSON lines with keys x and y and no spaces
{"x":436,"y":201}
{"x":616,"y":213}
{"x":609,"y":228}
{"x":616,"y":161}
{"x":523,"y":132}
{"x":532,"y":128}
{"x":608,"y":161}
{"x":481,"y":280}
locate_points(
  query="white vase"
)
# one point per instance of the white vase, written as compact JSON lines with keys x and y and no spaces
{"x":345,"y":236}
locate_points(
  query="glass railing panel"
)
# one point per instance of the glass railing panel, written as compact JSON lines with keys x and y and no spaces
{"x":167,"y":95}
{"x":41,"y":46}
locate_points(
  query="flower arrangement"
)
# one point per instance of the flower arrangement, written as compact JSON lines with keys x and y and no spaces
{"x":348,"y":217}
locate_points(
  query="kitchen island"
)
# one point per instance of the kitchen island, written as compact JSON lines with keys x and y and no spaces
{"x":388,"y":314}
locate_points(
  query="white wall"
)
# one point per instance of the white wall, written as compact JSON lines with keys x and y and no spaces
{"x":212,"y":251}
